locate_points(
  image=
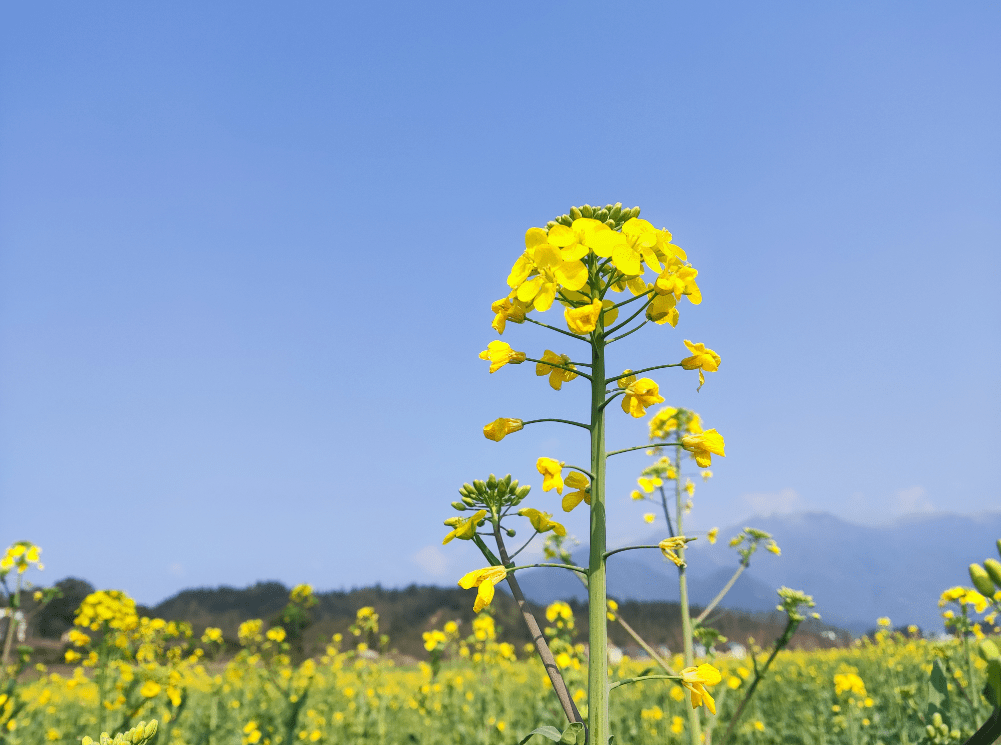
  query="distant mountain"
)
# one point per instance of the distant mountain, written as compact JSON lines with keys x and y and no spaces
{"x":855,"y":573}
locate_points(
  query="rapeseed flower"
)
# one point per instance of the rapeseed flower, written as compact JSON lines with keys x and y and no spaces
{"x":500,"y":428}
{"x":552,"y":474}
{"x":500,"y":353}
{"x":557,"y":375}
{"x":483,"y":579}
{"x":464,"y":530}
{"x":695,"y":679}
{"x":702,"y":359}
{"x":639,"y":395}
{"x":507,"y":309}
{"x":703,"y":446}
{"x":541,"y":521}
{"x":669,"y":545}
{"x":582,"y":493}
{"x":583,"y":320}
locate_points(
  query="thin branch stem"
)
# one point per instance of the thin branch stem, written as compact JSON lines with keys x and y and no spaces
{"x":623,"y":336}
{"x":559,"y":331}
{"x":640,"y":679}
{"x":610,"y":399}
{"x":571,"y":567}
{"x":716,"y":600}
{"x":578,"y":468}
{"x":524,"y":546}
{"x":629,"y":548}
{"x":638,"y":447}
{"x":632,"y":299}
{"x":637,"y":372}
{"x":626,"y":322}
{"x":561,"y":421}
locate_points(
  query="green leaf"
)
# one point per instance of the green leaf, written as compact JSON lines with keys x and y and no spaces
{"x":546,"y":731}
{"x":938,"y":690}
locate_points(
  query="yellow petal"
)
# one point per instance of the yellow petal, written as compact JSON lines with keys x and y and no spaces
{"x":561,"y":235}
{"x":571,"y":274}
{"x":535,"y":236}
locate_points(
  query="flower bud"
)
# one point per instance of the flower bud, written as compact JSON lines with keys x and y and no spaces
{"x":587,"y":210}
{"x":469,"y":501}
{"x":460,"y":506}
{"x":999,"y":546}
{"x":467,"y":490}
{"x":512,"y":488}
{"x":615,"y":211}
{"x":491,"y":482}
{"x":993,"y":568}
{"x":610,"y":223}
{"x":634,"y":212}
{"x":550,"y":225}
{"x":565,"y":220}
{"x":480,"y":487}
{"x":504,"y":483}
{"x":981,"y":580}
{"x":511,"y":533}
{"x":602,"y":215}
{"x":575,"y":213}
{"x":523,"y":491}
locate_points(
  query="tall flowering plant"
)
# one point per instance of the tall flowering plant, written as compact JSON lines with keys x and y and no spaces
{"x":598,"y":264}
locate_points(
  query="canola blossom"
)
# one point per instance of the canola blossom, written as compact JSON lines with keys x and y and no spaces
{"x":542,"y":521}
{"x":484,"y":580}
{"x":704,"y":446}
{"x":500,"y":428}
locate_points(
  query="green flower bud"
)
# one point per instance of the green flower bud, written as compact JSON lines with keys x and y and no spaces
{"x":587,"y":211}
{"x":993,"y":569}
{"x":512,"y":487}
{"x":550,"y":225}
{"x":565,"y":220}
{"x":602,"y":215}
{"x":504,"y":483}
{"x":575,"y":213}
{"x":989,"y":650}
{"x":491,"y":482}
{"x":610,"y":223}
{"x":634,"y":212}
{"x":981,"y":580}
{"x":460,"y":506}
{"x":523,"y":491}
{"x":999,"y":546}
{"x":615,"y":211}
{"x":480,"y":487}
{"x":469,"y":501}
{"x":511,"y":533}
{"x":467,"y":490}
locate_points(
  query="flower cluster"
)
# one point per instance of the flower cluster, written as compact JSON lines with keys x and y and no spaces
{"x":21,"y":556}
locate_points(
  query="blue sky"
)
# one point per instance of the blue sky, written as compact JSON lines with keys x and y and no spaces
{"x":247,"y":253}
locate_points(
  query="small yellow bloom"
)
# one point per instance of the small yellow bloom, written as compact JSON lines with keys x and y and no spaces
{"x":649,"y":517}
{"x":552,"y":474}
{"x":464,"y":530}
{"x":557,"y":375}
{"x":484,"y":580}
{"x":774,"y":548}
{"x":500,"y":353}
{"x":695,"y":679}
{"x":884,"y":622}
{"x":276,"y":634}
{"x":583,"y":320}
{"x":541,"y":521}
{"x":500,"y":428}
{"x":149,"y":689}
{"x":701,"y":359}
{"x":669,"y":545}
{"x":759,"y":725}
{"x":639,"y":395}
{"x":579,"y":482}
{"x":703,"y":446}
{"x":711,"y":535}
{"x":507,"y":309}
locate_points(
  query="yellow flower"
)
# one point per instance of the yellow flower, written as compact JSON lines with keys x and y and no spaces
{"x":149,"y":689}
{"x":276,"y":634}
{"x":695,"y":679}
{"x":552,"y":474}
{"x":703,"y":446}
{"x":557,"y":375}
{"x":500,"y":428}
{"x":662,"y":309}
{"x":884,"y":622}
{"x":484,"y":579}
{"x":774,"y":548}
{"x":711,"y":535}
{"x":669,"y":545}
{"x":677,"y":723}
{"x":679,"y":280}
{"x":639,"y":395}
{"x":701,"y":359}
{"x":583,"y":320}
{"x":649,"y":517}
{"x":541,"y":521}
{"x":464,"y":530}
{"x":579,"y":482}
{"x":500,"y":353}
{"x":848,"y":683}
{"x":507,"y":309}
{"x":689,"y":487}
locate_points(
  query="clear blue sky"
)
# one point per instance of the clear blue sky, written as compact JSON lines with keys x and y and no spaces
{"x":247,"y":252}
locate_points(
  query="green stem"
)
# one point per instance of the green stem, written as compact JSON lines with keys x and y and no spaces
{"x":561,"y":421}
{"x":630,"y":300}
{"x":623,"y":336}
{"x":637,"y":372}
{"x":626,"y":322}
{"x":694,"y":725}
{"x":597,"y":673}
{"x":641,"y":678}
{"x":578,"y":468}
{"x":571,"y":567}
{"x":642,"y":447}
{"x":629,"y":548}
{"x":611,"y":398}
{"x":716,"y":600}
{"x":559,"y":331}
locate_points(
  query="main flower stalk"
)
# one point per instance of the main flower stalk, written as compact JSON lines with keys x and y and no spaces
{"x":597,"y":703}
